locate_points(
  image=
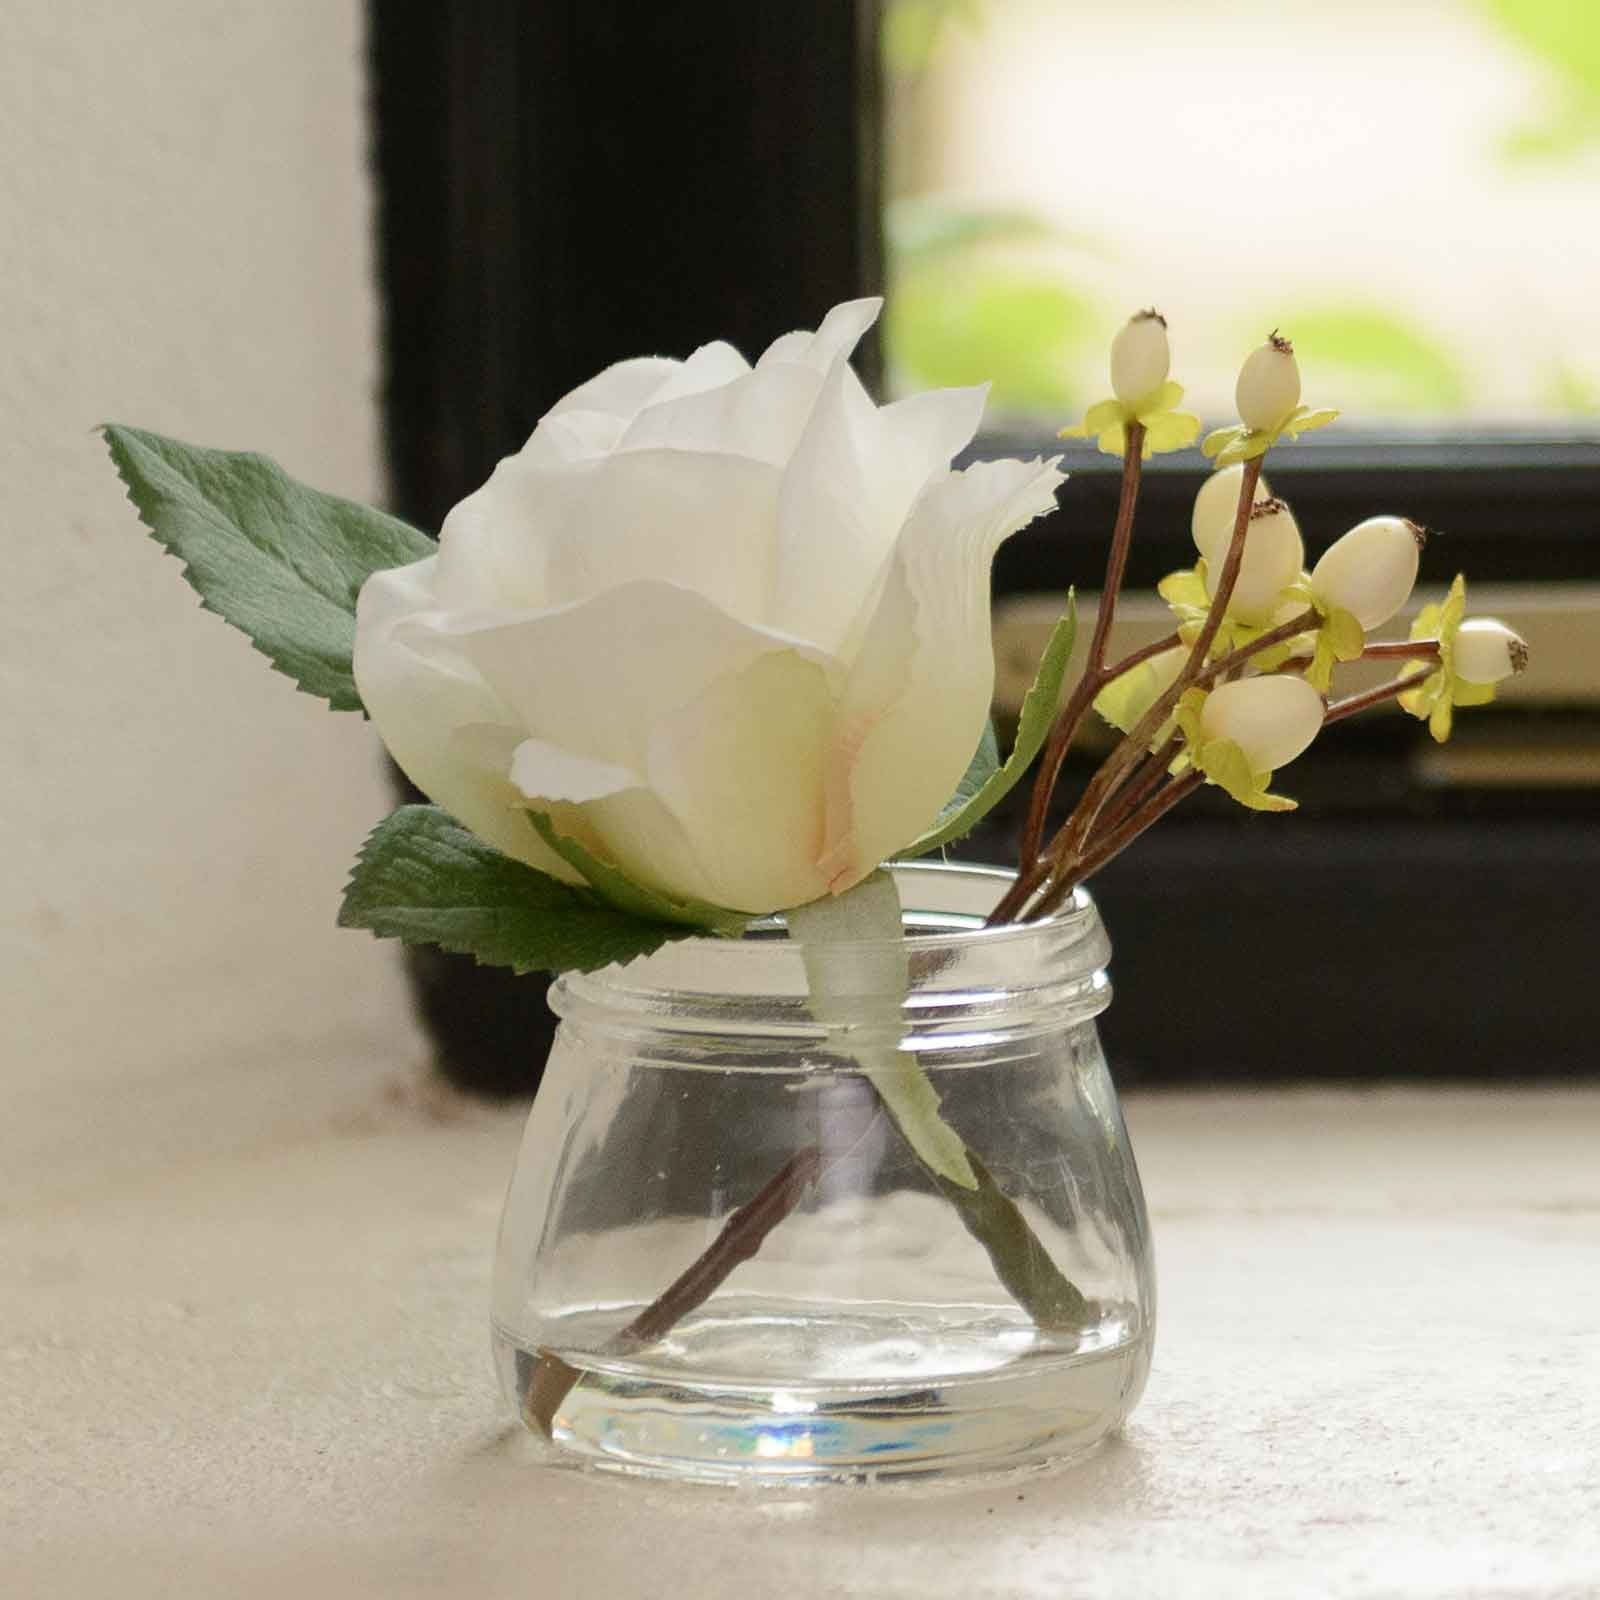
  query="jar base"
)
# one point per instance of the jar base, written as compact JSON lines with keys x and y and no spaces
{"x":923,"y":1404}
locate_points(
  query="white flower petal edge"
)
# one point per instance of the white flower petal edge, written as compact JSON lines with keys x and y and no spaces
{"x":597,"y":678}
{"x":742,"y":768}
{"x":728,"y":625}
{"x":855,"y":475}
{"x":447,"y":730}
{"x":918,"y":694}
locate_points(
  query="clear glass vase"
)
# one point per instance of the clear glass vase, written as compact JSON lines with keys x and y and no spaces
{"x":720,"y":1258}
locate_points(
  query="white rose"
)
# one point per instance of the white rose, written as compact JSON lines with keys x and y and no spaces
{"x":730,"y":625}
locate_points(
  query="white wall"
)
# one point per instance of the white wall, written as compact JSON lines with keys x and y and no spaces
{"x":184,"y":244}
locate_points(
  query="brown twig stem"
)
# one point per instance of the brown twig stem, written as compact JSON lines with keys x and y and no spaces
{"x":1115,"y":842}
{"x":1143,"y":780}
{"x":1070,"y":840}
{"x":742,"y":1235}
{"x":1402,"y":650}
{"x":1353,"y":704}
{"x":1246,"y":653}
{"x":1067,"y":722}
{"x":1030,"y":874}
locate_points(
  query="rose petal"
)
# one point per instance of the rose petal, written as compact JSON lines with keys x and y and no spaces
{"x":917,"y":696}
{"x":761,"y":415}
{"x":535,"y":537}
{"x":742,"y":769}
{"x":706,"y":521}
{"x":711,"y":365}
{"x":830,"y":546}
{"x":834,"y":341}
{"x":421,"y":695}
{"x":598,"y":677}
{"x":572,"y":436}
{"x":621,"y":389}
{"x":487,"y":556}
{"x":544,"y":771}
{"x":854,"y":477}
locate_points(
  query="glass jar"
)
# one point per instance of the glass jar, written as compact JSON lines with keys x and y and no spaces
{"x":721,"y":1260}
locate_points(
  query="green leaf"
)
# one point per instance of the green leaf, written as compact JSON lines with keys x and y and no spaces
{"x":983,"y":766}
{"x":616,"y":887}
{"x":963,"y":813}
{"x":1101,"y":417}
{"x":1169,"y":430}
{"x":1221,"y":444}
{"x":1345,"y":634}
{"x":1185,"y":589}
{"x":1224,"y":763}
{"x":422,"y":878}
{"x":281,"y":562}
{"x":1124,"y":701}
{"x":1305,"y":420}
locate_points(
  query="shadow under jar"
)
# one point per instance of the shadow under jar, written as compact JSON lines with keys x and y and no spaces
{"x":721,"y":1260}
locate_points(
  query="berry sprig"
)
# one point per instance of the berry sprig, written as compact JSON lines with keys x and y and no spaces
{"x":1241,"y":687}
{"x":1142,"y":396}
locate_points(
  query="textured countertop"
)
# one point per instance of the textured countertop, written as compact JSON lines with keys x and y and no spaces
{"x":1377,"y":1374}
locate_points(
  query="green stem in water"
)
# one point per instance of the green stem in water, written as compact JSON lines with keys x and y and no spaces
{"x":1015,"y":1251}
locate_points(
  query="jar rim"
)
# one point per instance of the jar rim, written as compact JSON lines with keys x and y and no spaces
{"x":1012,"y":975}
{"x":924,"y":923}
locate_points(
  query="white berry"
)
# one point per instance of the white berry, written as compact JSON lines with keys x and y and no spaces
{"x":1272,"y":718}
{"x":1216,"y":506}
{"x":1273,"y":555}
{"x":1269,"y":384}
{"x":1370,"y":571}
{"x":1487,"y":651}
{"x":1140,"y":357}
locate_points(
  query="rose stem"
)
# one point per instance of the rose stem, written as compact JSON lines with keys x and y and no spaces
{"x":1069,"y":840}
{"x":742,"y":1235}
{"x":1093,"y":679}
{"x":1352,"y":704}
{"x":1017,"y":1254}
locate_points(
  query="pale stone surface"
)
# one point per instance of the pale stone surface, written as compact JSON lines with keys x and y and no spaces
{"x":1378,"y":1375}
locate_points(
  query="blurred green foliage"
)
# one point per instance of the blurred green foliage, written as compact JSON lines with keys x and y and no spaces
{"x":1021,"y":332}
{"x":1565,"y":36}
{"x":960,"y":313}
{"x":927,"y":227}
{"x":914,"y":31}
{"x":1571,"y":392}
{"x":1392,"y":365}
{"x":975,"y":296}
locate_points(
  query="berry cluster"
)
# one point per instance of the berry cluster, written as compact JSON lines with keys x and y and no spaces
{"x":1244,"y":682}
